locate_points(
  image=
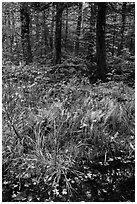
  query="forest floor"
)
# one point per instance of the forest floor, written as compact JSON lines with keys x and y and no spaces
{"x":65,"y":139}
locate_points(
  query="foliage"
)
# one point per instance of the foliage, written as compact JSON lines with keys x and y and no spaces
{"x":64,"y":139}
{"x":122,"y":68}
{"x":42,"y":26}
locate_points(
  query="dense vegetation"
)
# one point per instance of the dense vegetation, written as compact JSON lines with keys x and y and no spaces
{"x":68,"y":132}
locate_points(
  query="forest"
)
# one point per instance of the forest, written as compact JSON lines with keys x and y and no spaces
{"x":68,"y":101}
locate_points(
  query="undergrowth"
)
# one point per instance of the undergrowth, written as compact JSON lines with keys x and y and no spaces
{"x":57,"y":130}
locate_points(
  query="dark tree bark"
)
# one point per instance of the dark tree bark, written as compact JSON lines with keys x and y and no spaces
{"x":114,"y":34}
{"x":132,"y":41}
{"x":120,"y":48}
{"x":100,"y":42}
{"x":58,"y":29}
{"x":37,"y":36}
{"x":52,"y":29}
{"x":45,"y":32}
{"x":11,"y":23}
{"x":66,"y":29}
{"x":25,"y":35}
{"x":78,"y":27}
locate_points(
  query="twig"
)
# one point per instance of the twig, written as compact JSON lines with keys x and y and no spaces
{"x":17,"y":134}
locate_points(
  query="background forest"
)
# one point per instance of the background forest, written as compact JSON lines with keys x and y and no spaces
{"x":68,"y":73}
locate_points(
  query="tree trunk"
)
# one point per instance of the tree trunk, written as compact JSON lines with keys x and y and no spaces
{"x":132,"y":41}
{"x":66,"y":29}
{"x":11,"y":24}
{"x":25,"y":37}
{"x":37,"y":36}
{"x":100,"y":41}
{"x":114,"y":34}
{"x":120,"y":48}
{"x":52,"y":29}
{"x":45,"y":33}
{"x":58,"y":29}
{"x":79,"y":21}
{"x":11,"y":36}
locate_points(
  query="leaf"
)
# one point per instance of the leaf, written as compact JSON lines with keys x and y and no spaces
{"x":132,"y":146}
{"x":20,"y":196}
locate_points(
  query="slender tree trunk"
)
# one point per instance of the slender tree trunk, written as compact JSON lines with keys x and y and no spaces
{"x":66,"y":29}
{"x":79,"y":21}
{"x":100,"y":41}
{"x":120,"y":48}
{"x":114,"y":34}
{"x":4,"y":37}
{"x":25,"y":35}
{"x":58,"y":30}
{"x":12,"y":26}
{"x":45,"y":32}
{"x":52,"y":29}
{"x":37,"y":33}
{"x":132,"y":41}
{"x":11,"y":36}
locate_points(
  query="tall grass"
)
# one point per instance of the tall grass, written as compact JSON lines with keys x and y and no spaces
{"x":45,"y":137}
